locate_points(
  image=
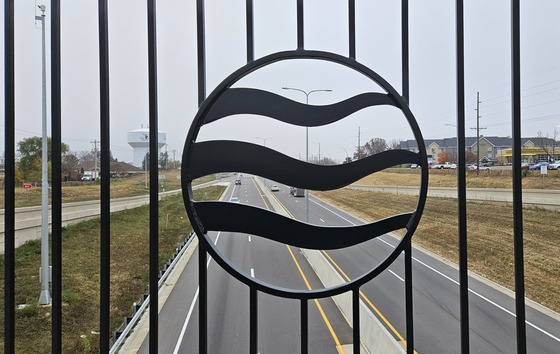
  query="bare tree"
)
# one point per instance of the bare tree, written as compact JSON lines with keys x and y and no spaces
{"x":394,"y":144}
{"x":548,"y":144}
{"x":375,"y":146}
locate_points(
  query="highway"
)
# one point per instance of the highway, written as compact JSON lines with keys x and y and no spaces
{"x":279,"y":319}
{"x":436,"y":297}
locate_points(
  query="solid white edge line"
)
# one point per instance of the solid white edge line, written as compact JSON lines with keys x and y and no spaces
{"x":451,"y":279}
{"x":191,"y":308}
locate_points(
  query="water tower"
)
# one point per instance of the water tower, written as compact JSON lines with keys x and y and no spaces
{"x":139,"y":139}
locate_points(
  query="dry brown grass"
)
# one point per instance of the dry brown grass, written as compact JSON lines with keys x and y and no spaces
{"x":448,"y":178}
{"x":490,"y":237}
{"x":125,"y":187}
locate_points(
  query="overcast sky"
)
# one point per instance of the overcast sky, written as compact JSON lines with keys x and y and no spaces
{"x":432,"y":69}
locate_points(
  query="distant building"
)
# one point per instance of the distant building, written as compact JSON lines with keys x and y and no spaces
{"x":139,"y":139}
{"x":493,"y":149}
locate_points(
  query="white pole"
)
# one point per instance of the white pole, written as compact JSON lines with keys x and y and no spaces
{"x":45,"y":296}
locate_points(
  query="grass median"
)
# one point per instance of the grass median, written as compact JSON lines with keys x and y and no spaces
{"x":80,"y":271}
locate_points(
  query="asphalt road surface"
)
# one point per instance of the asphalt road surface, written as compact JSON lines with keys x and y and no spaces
{"x":436,"y":296}
{"x":228,"y":302}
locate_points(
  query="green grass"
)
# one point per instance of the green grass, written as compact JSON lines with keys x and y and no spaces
{"x":80,"y":251}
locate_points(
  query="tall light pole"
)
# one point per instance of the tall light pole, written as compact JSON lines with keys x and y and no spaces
{"x":345,"y":161}
{"x":264,"y":140}
{"x":44,"y":296}
{"x":306,"y":93}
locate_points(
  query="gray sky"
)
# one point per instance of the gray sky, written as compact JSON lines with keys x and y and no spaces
{"x":432,"y":69}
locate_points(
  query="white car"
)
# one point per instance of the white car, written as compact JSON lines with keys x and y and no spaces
{"x":234,"y":200}
{"x":274,"y":188}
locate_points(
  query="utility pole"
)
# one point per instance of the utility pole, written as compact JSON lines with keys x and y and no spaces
{"x":174,"y":164}
{"x":96,"y":174}
{"x":478,"y":128}
{"x":45,"y":296}
{"x":319,"y":153}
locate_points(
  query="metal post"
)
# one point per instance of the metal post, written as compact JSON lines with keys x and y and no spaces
{"x":44,"y":296}
{"x":306,"y":140}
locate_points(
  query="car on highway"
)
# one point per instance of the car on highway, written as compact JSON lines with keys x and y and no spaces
{"x":238,"y":181}
{"x":234,"y":200}
{"x":526,"y":165}
{"x":538,"y":166}
{"x":274,"y":188}
{"x":414,"y":166}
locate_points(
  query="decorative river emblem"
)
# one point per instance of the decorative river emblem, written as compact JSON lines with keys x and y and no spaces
{"x":208,"y":157}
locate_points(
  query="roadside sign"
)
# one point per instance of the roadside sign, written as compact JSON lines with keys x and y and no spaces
{"x":26,"y":185}
{"x":161,"y":176}
{"x":544,"y":170}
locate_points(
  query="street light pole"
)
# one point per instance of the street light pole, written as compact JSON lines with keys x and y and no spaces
{"x":44,"y":296}
{"x":306,"y":93}
{"x":345,"y":161}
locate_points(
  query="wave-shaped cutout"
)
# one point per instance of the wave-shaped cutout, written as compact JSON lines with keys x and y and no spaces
{"x":259,"y":102}
{"x":233,"y":217}
{"x":233,"y":156}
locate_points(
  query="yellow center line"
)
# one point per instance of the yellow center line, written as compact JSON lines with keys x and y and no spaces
{"x":319,"y":307}
{"x":367,"y":300}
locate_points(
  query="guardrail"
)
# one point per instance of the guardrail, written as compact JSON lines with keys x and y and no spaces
{"x":120,"y":335}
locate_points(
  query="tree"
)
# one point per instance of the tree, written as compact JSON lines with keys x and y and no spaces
{"x":547,"y":144}
{"x":146,"y":162}
{"x":446,"y":156}
{"x":30,"y":156}
{"x":470,"y":157}
{"x":70,"y":164}
{"x":375,"y":146}
{"x":394,"y":144}
{"x":360,"y":153}
{"x":163,"y":159}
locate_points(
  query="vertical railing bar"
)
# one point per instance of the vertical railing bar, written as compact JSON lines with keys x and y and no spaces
{"x":105,"y":232}
{"x":304,"y":326}
{"x":202,"y":256}
{"x":517,"y":190}
{"x":56,"y":187}
{"x":153,"y":148}
{"x":405,"y":51}
{"x":250,"y":31}
{"x":300,"y":42}
{"x":253,"y":321}
{"x":352,"y":29}
{"x":409,"y":299}
{"x":356,"y":320}
{"x":9,"y":192}
{"x":202,"y":301}
{"x":462,"y":181}
{"x":201,"y":51}
{"x":409,"y":304}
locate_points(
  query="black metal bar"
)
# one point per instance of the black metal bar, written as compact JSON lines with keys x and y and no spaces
{"x":517,"y":191}
{"x":409,"y":299}
{"x":405,"y":51}
{"x":352,"y":29}
{"x":105,"y":233}
{"x":56,"y":187}
{"x":250,"y":31}
{"x":356,"y":320}
{"x":201,"y":51}
{"x":202,"y":301}
{"x":408,"y":288}
{"x":253,"y":321}
{"x":300,"y":24}
{"x":9,"y":192}
{"x":462,"y":181}
{"x":304,"y":326}
{"x":154,"y":188}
